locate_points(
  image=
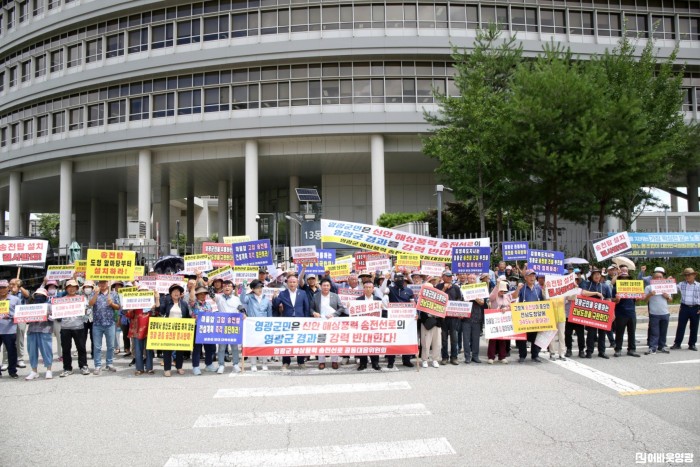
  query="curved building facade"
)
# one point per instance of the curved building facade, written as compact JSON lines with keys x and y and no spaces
{"x":116,"y":111}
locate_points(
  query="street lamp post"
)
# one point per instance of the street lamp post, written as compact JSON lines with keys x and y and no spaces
{"x":438,"y":190}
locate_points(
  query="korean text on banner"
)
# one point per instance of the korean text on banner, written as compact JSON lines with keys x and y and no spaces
{"x":533,"y":316}
{"x":544,"y":338}
{"x":243,"y":274}
{"x":665,"y":245}
{"x":401,"y":311}
{"x":163,"y":283}
{"x":68,"y":307}
{"x":561,"y":286}
{"x":326,"y":257}
{"x":80,"y":268}
{"x":361,"y":258}
{"x":219,"y":253}
{"x":18,"y":252}
{"x":345,"y":259}
{"x":59,"y":273}
{"x":664,"y":286}
{"x":346,"y":295}
{"x":170,"y":334}
{"x":612,"y":246}
{"x":629,"y":289}
{"x":545,"y":261}
{"x":224,"y":273}
{"x":31,"y":313}
{"x":271,"y":337}
{"x":514,"y":251}
{"x":147,"y":281}
{"x":378,"y":264}
{"x":219,"y":328}
{"x":365,"y":308}
{"x":270,"y":292}
{"x":255,"y":253}
{"x":304,"y":254}
{"x":474,"y":291}
{"x":138,"y":300}
{"x":592,"y":312}
{"x":237,"y":239}
{"x":471,"y":260}
{"x":432,"y":268}
{"x":339,"y":272}
{"x":4,"y":307}
{"x":110,"y":265}
{"x":199,"y":263}
{"x":408,"y":260}
{"x":457,"y":309}
{"x":372,"y":237}
{"x":499,"y":325}
{"x":432,"y":301}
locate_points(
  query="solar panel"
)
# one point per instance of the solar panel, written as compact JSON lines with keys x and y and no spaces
{"x":308,"y":195}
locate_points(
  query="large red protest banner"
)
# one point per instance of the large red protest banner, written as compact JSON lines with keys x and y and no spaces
{"x":592,"y":312}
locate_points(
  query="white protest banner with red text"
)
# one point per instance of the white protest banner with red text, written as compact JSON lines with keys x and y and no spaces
{"x":365,"y":308}
{"x":401,"y":311}
{"x":346,"y":295}
{"x":612,"y":246}
{"x":499,"y":325}
{"x":68,"y":307}
{"x":664,"y":286}
{"x":18,"y":252}
{"x":561,"y":286}
{"x":457,"y":309}
{"x":31,"y":313}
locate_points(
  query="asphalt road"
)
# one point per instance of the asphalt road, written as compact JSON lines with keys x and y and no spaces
{"x":571,"y":413}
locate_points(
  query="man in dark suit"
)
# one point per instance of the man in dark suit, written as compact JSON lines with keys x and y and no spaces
{"x":292,"y":303}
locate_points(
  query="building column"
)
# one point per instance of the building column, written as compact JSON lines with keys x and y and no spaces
{"x":165,"y":217}
{"x":189,"y":231}
{"x":294,"y":227}
{"x":693,"y":191}
{"x":24,"y":224}
{"x":251,"y":189}
{"x":674,"y":203}
{"x":378,"y":187}
{"x":94,"y":213}
{"x":3,"y":210}
{"x":145,"y":190}
{"x":65,"y":212}
{"x":121,"y":215}
{"x":223,"y":209}
{"x":15,"y":189}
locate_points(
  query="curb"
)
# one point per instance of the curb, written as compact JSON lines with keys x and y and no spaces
{"x":645,"y":319}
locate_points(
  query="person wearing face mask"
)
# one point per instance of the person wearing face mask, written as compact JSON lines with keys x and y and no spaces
{"x":73,"y":330}
{"x":87,"y":291}
{"x":52,"y":292}
{"x":398,"y":292}
{"x":39,"y":339}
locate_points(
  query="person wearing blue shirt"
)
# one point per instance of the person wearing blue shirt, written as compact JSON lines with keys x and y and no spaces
{"x":529,"y":292}
{"x":595,"y":288}
{"x":625,"y":319}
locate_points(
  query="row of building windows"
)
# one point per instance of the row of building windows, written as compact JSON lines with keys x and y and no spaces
{"x":16,"y":12}
{"x":124,"y":36}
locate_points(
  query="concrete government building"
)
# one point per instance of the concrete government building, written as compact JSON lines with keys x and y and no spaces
{"x":114,"y":111}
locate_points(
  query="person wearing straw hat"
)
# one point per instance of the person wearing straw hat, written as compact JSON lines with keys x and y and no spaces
{"x":529,"y":292}
{"x":198,"y":304}
{"x":176,"y":307}
{"x":73,"y":330}
{"x":39,"y":339}
{"x":689,"y":310}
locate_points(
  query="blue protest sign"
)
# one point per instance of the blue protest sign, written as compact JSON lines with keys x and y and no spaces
{"x":664,"y":245}
{"x":514,"y":251}
{"x":545,"y":261}
{"x":219,"y":328}
{"x":255,"y":253}
{"x":326,"y":257}
{"x":471,"y":259}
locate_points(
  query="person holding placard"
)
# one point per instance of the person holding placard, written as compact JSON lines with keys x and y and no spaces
{"x":451,"y":325}
{"x":176,"y":307}
{"x":39,"y":339}
{"x":52,"y":291}
{"x":104,"y":303}
{"x":73,"y":330}
{"x":625,"y":319}
{"x":659,"y":317}
{"x":326,"y":305}
{"x":198,"y":304}
{"x":530,"y":292}
{"x":8,"y":328}
{"x":20,"y":292}
{"x":500,"y":299}
{"x":689,"y":310}
{"x":256,"y":305}
{"x":596,"y":288}
{"x":87,"y":291}
{"x":471,"y":327}
{"x":138,"y":331}
{"x":368,"y":289}
{"x":397,"y":292}
{"x":228,"y":302}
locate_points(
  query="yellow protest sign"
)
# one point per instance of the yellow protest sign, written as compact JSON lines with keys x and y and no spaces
{"x":107,"y":265}
{"x":238,"y":239}
{"x":339,"y":272}
{"x":408,"y":259}
{"x":124,"y":290}
{"x":170,"y":334}
{"x":629,"y":289}
{"x":4,"y":307}
{"x":80,"y":266}
{"x":533,"y":317}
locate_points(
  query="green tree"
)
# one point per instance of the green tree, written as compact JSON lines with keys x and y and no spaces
{"x":48,"y":227}
{"x":467,"y":135}
{"x":391,"y":219}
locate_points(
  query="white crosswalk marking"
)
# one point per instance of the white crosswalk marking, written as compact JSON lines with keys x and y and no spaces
{"x":680,"y":362}
{"x":311,"y":416}
{"x":320,"y":455}
{"x":606,"y":379}
{"x":309,"y":390}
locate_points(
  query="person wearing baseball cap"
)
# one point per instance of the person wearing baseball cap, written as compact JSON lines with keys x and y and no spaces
{"x":39,"y":339}
{"x":689,"y":310}
{"x":198,"y":304}
{"x":625,"y":319}
{"x":659,"y":316}
{"x":596,"y":288}
{"x":529,"y":292}
{"x":228,"y":302}
{"x":8,"y":329}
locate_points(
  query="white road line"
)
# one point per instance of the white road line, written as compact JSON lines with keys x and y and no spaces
{"x":311,"y":416}
{"x":680,"y":362}
{"x":320,"y":455}
{"x":606,"y":379}
{"x":308,"y":390}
